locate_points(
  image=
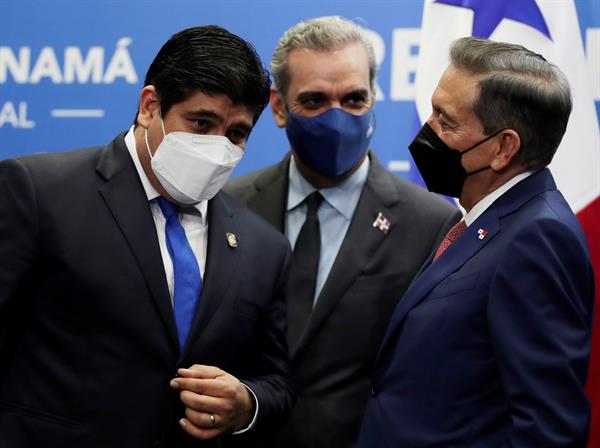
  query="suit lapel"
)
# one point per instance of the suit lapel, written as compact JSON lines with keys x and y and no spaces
{"x":359,"y":245}
{"x":465,"y":247}
{"x":271,"y":197}
{"x":125,"y":197}
{"x":221,"y":264}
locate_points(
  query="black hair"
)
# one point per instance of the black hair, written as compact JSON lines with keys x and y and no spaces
{"x":212,"y":60}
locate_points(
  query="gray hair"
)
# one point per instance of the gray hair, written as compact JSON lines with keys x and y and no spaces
{"x":323,"y":34}
{"x":519,"y":90}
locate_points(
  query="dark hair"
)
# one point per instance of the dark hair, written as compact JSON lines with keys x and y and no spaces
{"x":212,"y":60}
{"x":519,"y":90}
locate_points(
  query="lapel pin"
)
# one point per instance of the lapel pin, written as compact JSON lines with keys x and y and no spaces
{"x":482,"y":233}
{"x":382,"y":223}
{"x":231,"y":239}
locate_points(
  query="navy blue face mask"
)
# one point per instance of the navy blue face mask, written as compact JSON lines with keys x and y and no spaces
{"x":331,"y":143}
{"x":440,"y":165}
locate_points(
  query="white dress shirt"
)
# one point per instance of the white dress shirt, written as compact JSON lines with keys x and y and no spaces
{"x":335,"y":213}
{"x":488,"y":200}
{"x":193,"y":220}
{"x":195,"y":224}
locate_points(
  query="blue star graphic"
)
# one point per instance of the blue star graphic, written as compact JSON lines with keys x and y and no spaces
{"x":489,"y":13}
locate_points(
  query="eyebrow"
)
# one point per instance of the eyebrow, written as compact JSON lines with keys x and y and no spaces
{"x":361,"y":92}
{"x":207,"y":113}
{"x":309,"y":94}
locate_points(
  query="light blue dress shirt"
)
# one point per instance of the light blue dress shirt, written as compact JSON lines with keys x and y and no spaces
{"x":335,"y":213}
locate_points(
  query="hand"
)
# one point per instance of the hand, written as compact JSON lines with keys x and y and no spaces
{"x":209,"y":391}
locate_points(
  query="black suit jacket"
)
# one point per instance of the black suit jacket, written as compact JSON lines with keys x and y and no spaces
{"x":333,"y":358}
{"x":87,"y":335}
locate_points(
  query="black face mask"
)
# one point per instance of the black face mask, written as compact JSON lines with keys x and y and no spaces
{"x":440,"y":165}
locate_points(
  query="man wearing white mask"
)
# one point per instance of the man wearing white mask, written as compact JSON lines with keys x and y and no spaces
{"x":138,"y":305}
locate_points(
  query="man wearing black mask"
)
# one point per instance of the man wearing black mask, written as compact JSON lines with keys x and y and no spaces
{"x":490,"y":344}
{"x":359,"y":233}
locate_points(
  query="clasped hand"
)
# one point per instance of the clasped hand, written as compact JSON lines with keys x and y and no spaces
{"x":215,"y":401}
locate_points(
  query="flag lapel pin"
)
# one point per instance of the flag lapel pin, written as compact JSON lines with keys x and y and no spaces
{"x":382,"y":223}
{"x":481,"y":233}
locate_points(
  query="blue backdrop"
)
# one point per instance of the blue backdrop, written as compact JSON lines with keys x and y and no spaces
{"x":71,"y":71}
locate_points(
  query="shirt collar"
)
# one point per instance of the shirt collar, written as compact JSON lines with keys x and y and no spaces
{"x":151,"y":192}
{"x":487,"y":201}
{"x":342,"y":197}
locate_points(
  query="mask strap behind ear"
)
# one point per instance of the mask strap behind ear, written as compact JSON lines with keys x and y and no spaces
{"x":146,"y":134}
{"x":161,"y":123}
{"x":147,"y":145}
{"x":479,"y":170}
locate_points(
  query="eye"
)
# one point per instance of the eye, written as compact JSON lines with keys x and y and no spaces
{"x":202,"y":125}
{"x":237,"y":136}
{"x":356,"y":101}
{"x":312,"y":102}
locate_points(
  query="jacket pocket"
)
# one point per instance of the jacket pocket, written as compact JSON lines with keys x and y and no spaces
{"x":452,"y":286}
{"x":248,"y":308}
{"x":37,"y":414}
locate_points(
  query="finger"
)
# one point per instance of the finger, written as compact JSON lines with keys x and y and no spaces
{"x":199,"y":433}
{"x":204,"y":420}
{"x":203,"y":403}
{"x":213,"y":388}
{"x":225,"y":386}
{"x":201,"y":371}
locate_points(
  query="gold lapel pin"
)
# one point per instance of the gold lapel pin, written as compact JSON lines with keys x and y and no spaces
{"x":231,"y":239}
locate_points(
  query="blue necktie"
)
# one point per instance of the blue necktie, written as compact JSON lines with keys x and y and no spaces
{"x":188,"y":283}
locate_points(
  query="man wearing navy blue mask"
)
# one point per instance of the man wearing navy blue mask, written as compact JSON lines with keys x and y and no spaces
{"x":359,"y":233}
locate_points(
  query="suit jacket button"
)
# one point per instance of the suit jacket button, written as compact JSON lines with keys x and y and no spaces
{"x":375,"y":388}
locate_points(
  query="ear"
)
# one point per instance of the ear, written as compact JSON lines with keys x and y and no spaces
{"x":278,"y":108}
{"x":508,"y":148}
{"x":149,"y":106}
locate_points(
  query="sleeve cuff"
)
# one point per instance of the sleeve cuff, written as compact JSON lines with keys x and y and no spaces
{"x":252,"y":423}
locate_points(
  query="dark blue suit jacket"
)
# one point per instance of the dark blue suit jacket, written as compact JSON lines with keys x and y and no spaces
{"x":88,"y":341}
{"x":490,"y":345}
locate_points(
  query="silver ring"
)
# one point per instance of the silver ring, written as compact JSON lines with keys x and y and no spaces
{"x":212,"y":419}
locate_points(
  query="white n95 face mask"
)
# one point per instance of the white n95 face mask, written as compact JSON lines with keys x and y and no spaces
{"x":193,"y":167}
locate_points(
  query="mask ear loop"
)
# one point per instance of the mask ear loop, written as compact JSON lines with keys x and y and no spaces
{"x":162,"y":124}
{"x":482,"y":141}
{"x":475,"y":146}
{"x":146,"y":134}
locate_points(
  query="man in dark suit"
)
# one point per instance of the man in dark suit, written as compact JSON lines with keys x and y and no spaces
{"x":123,"y":266}
{"x":371,"y":230}
{"x":490,"y":345}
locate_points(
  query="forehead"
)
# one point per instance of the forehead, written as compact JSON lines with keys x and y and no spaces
{"x":456,"y":92}
{"x":316,"y":70}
